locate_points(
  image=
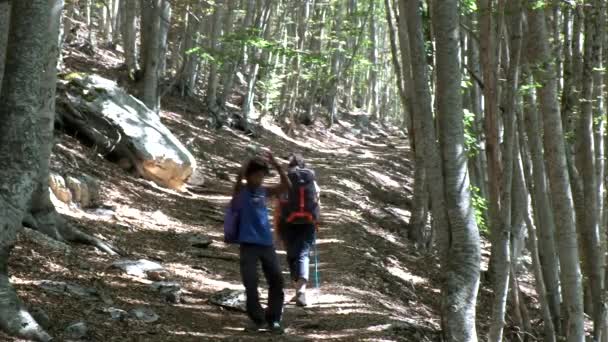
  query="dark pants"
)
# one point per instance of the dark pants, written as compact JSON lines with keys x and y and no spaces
{"x":250,"y":254}
{"x":298,"y":241}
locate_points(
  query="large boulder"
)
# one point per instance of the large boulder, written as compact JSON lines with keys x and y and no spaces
{"x":123,"y":129}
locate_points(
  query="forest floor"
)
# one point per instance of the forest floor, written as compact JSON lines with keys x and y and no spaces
{"x":374,"y":285}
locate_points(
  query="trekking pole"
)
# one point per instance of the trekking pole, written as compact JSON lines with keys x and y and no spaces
{"x":316,"y":251}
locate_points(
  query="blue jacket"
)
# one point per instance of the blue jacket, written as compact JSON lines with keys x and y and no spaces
{"x":254,"y":226}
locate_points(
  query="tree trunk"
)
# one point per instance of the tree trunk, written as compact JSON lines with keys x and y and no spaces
{"x":489,"y":61}
{"x":373,"y":28}
{"x":116,"y":17}
{"x":19,"y":150}
{"x":5,"y":15}
{"x":395,"y":60}
{"x":540,"y":57}
{"x":260,"y":25}
{"x":336,"y":61}
{"x":165,"y":25}
{"x":214,"y":45}
{"x":462,"y":270}
{"x":586,"y":162}
{"x":129,"y":34}
{"x":416,"y":134}
{"x":41,"y":208}
{"x":425,"y":135}
{"x":545,"y":221}
{"x":151,"y":49}
{"x":502,"y":245}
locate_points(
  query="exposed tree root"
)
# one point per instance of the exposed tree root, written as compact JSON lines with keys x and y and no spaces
{"x":14,"y":317}
{"x":53,"y":225}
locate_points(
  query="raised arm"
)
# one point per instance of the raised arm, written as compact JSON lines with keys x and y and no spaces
{"x":238,"y":186}
{"x":285,"y":183}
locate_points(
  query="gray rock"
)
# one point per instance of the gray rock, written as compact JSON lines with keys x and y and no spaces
{"x":117,"y":314}
{"x":166,"y":285}
{"x":161,"y":156}
{"x":138,"y":268}
{"x":170,"y":291}
{"x":60,"y":287}
{"x":144,"y":314}
{"x":172,"y":296}
{"x":59,"y":188}
{"x":230,"y":299}
{"x":200,"y":241}
{"x":42,"y":318}
{"x":77,"y":330}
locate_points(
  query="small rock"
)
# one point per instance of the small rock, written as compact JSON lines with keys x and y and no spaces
{"x":94,"y":190}
{"x":144,"y":314}
{"x":41,"y":317}
{"x":172,"y":296}
{"x":104,"y":213}
{"x":171,"y":291}
{"x":117,"y":314}
{"x":77,"y":330}
{"x":80,"y":192}
{"x":200,"y":241}
{"x":230,"y":299}
{"x":163,"y":285}
{"x":157,"y":275}
{"x":59,"y":188}
{"x":60,"y":287}
{"x":138,"y":268}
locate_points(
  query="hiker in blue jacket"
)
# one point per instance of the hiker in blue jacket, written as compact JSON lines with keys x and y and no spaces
{"x":299,"y":214}
{"x":256,"y":241}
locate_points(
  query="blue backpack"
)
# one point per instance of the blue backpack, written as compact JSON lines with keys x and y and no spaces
{"x":232,"y":219}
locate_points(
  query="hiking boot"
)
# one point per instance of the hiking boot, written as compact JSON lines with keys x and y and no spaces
{"x":301,"y":299}
{"x":276,"y":328}
{"x":254,"y":327}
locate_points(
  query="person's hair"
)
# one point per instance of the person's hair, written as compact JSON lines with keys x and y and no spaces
{"x":255,"y":165}
{"x":296,"y":160}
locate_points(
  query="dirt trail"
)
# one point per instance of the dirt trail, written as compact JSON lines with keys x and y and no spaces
{"x":373,"y":287}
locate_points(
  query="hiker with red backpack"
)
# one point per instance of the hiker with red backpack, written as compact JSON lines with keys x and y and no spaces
{"x":247,"y":223}
{"x":298,"y":215}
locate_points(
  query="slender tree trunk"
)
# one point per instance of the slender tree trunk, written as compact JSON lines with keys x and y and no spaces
{"x":165,"y":25}
{"x":116,"y":18}
{"x":544,"y":298}
{"x":374,"y":96}
{"x":545,"y":221}
{"x":585,"y":154}
{"x":489,"y":61}
{"x":503,"y":242}
{"x":28,"y":36}
{"x":540,"y":57}
{"x":421,"y":189}
{"x":332,"y":99}
{"x":261,"y":25}
{"x":459,"y":297}
{"x":425,"y":135}
{"x":214,"y":45}
{"x":5,"y":15}
{"x":151,"y":49}
{"x":129,"y":34}
{"x":395,"y":60}
{"x":229,"y":67}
